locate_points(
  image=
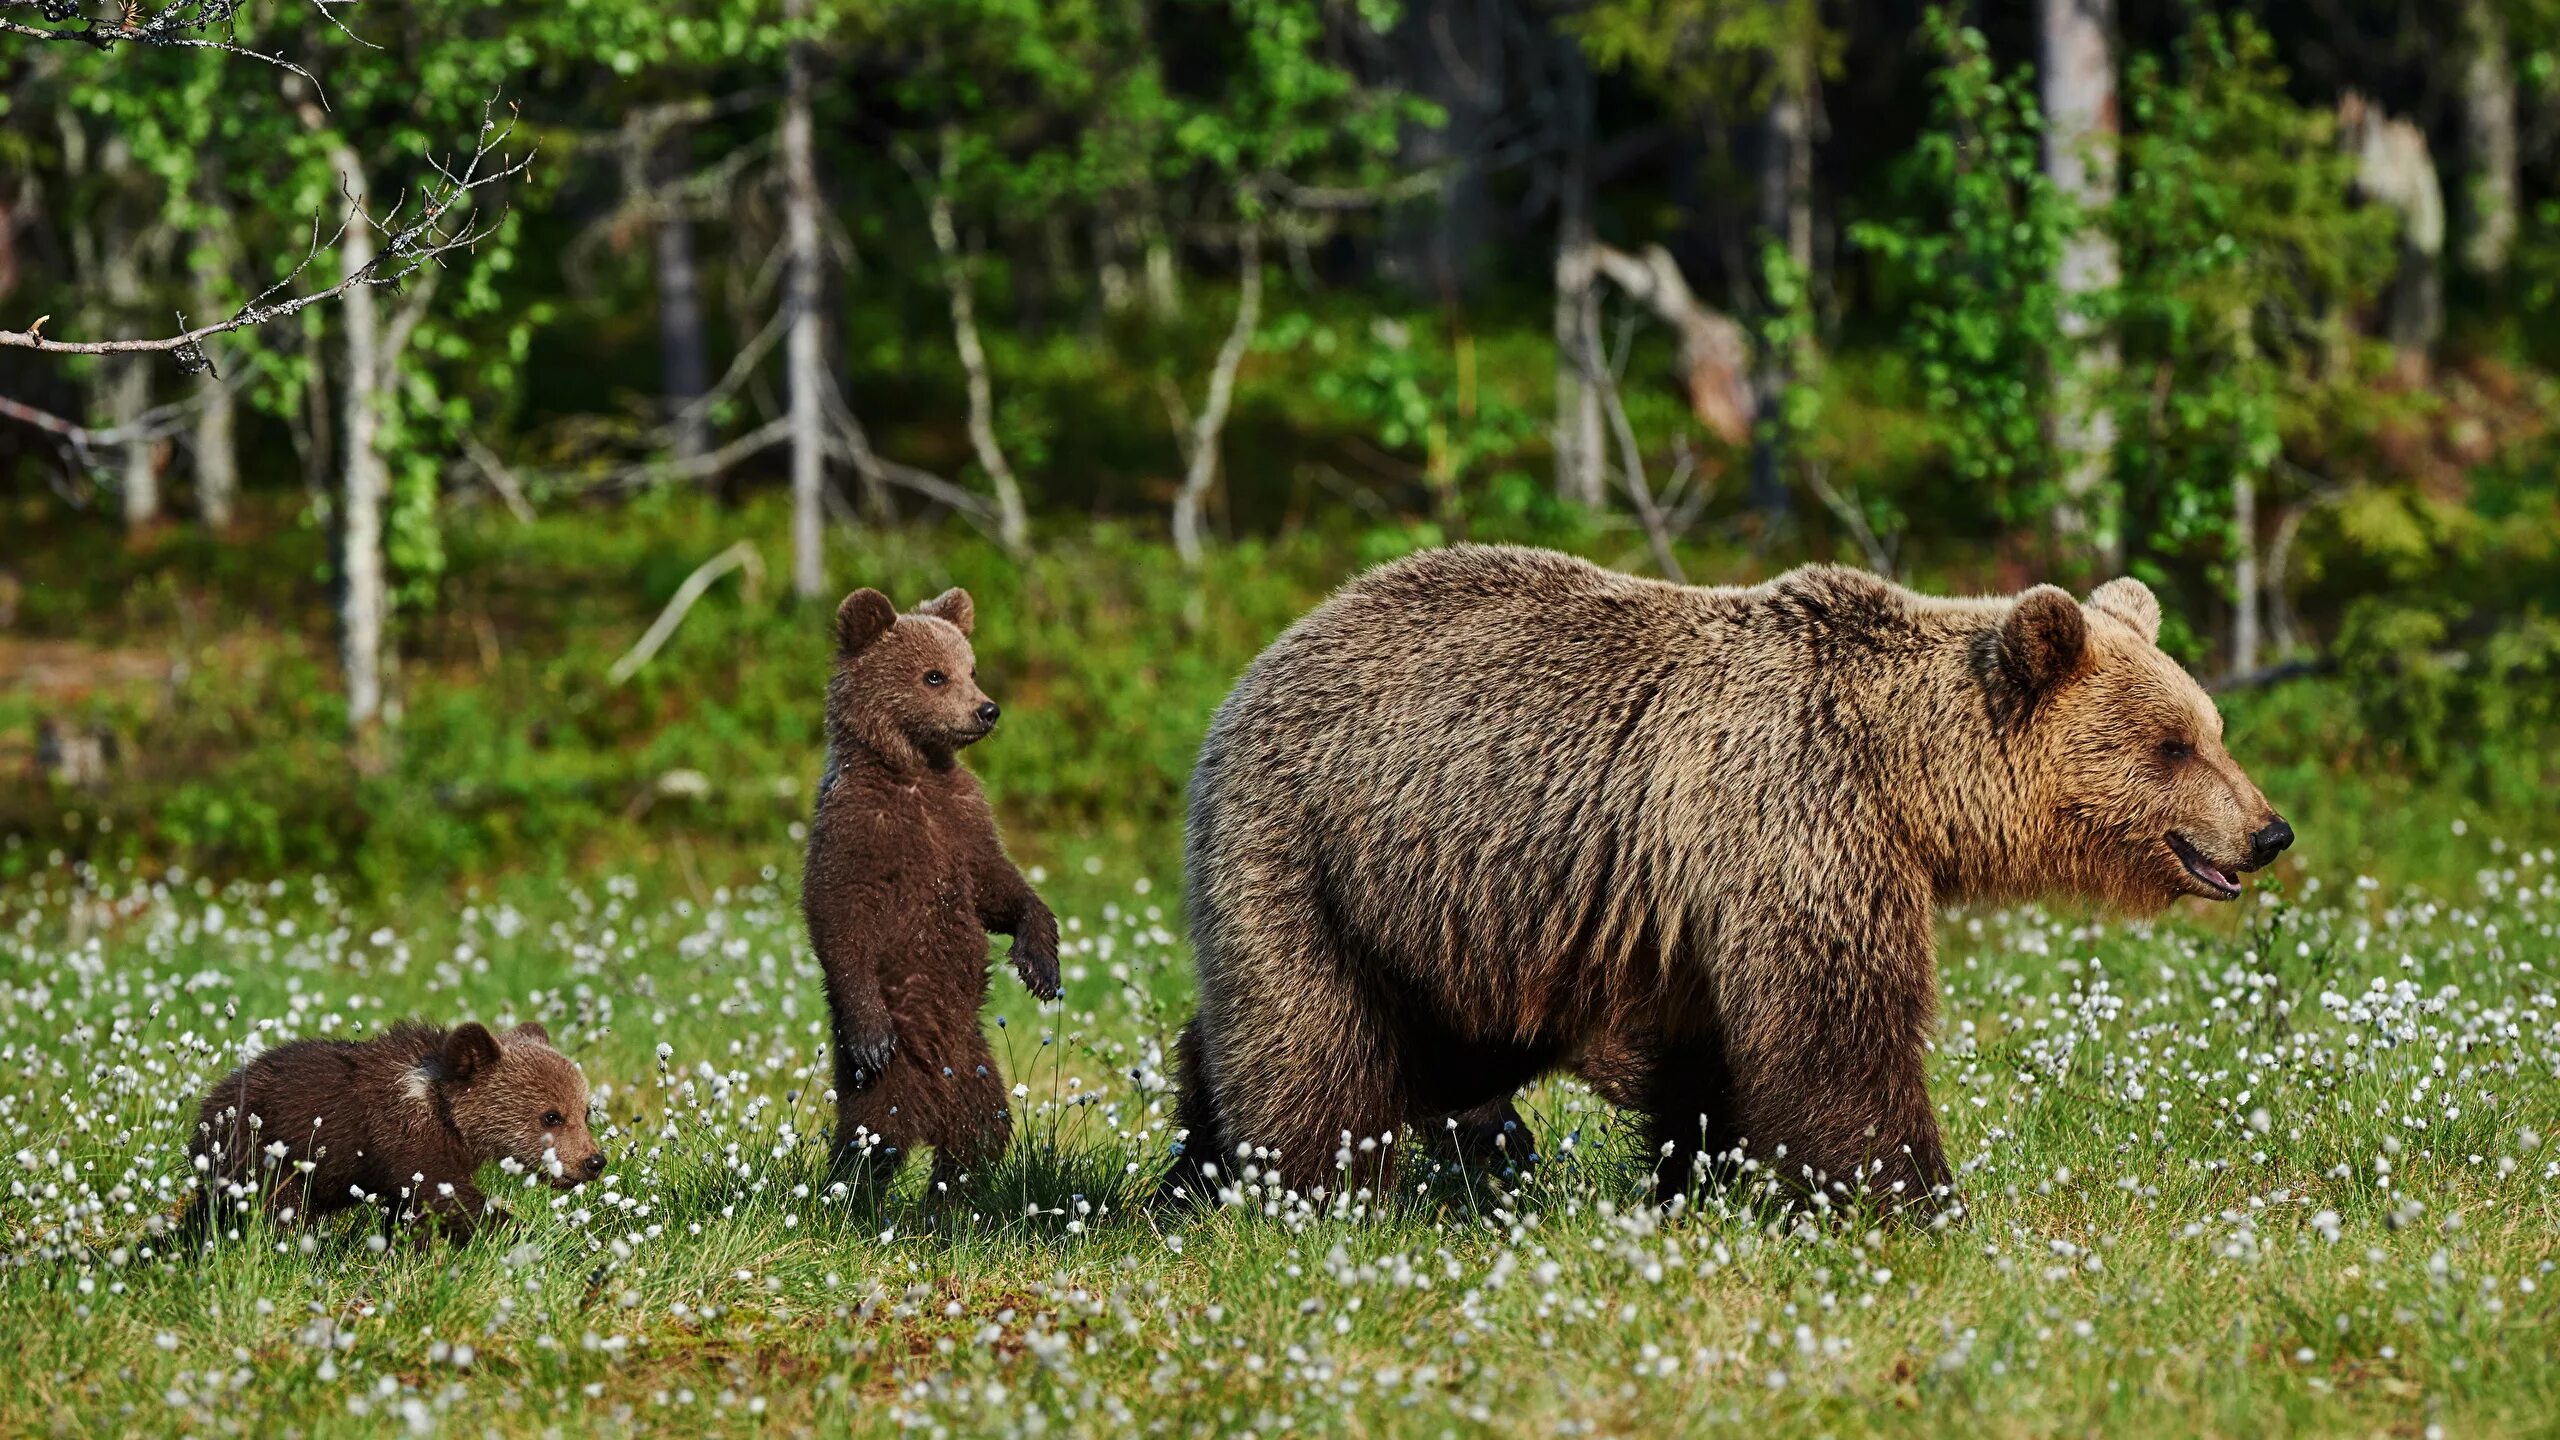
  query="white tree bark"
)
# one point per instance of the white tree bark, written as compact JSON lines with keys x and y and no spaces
{"x":2079,"y":93}
{"x":805,"y":366}
{"x":2488,"y":104}
{"x":364,"y":604}
{"x":1715,"y":354}
{"x":1202,"y":469}
{"x":2395,"y":169}
{"x":364,"y":600}
{"x":126,"y":381}
{"x":137,"y":476}
{"x":1013,"y":523}
{"x":216,"y":451}
{"x":2246,"y":592}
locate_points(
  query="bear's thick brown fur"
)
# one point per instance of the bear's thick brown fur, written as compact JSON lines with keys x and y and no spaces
{"x":905,"y":879}
{"x":403,"y":1120}
{"x":1490,"y":812}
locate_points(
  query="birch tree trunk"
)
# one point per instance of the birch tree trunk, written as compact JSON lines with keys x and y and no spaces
{"x":1013,"y":525}
{"x":216,"y":452}
{"x":684,"y":367}
{"x":2488,"y":104}
{"x":364,"y":604}
{"x":1202,"y":468}
{"x":2394,"y":169}
{"x":128,"y":389}
{"x":1581,"y":456}
{"x":126,"y":380}
{"x":2079,"y":84}
{"x":802,"y":359}
{"x":2246,"y":623}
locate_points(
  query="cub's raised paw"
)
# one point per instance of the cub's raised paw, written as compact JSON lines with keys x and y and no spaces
{"x":868,"y":1055}
{"x":1038,"y":969}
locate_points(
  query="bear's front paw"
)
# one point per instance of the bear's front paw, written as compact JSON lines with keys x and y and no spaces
{"x":867,"y":1055}
{"x":1038,"y":967}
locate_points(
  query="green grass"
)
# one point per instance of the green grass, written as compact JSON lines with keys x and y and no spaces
{"x":2174,"y":1139}
{"x":2177,"y":1217}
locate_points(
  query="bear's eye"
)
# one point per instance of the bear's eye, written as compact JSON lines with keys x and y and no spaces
{"x":551,"y":1119}
{"x":934,"y":678}
{"x":2176,"y":750}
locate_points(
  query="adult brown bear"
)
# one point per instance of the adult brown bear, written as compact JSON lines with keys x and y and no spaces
{"x":1489,"y":812}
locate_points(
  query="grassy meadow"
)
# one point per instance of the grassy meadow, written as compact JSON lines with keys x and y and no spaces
{"x":2280,"y":1167}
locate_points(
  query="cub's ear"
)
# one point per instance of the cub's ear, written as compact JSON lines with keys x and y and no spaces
{"x":2132,"y":602}
{"x":865,"y":616}
{"x":468,"y":1051}
{"x":531,"y":1030}
{"x":952,"y":605}
{"x":2043,"y":641}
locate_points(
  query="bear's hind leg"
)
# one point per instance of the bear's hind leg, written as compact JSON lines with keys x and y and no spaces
{"x":1203,"y":1149}
{"x":1685,"y":1093}
{"x":1307,"y":1067}
{"x":972,"y":1121}
{"x":1853,"y":1114}
{"x":876,"y":1126}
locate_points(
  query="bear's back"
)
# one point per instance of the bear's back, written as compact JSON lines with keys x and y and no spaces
{"x":1519,"y":752}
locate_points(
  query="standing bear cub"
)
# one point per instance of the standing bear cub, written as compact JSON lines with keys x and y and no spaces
{"x":905,"y":879}
{"x":403,"y":1120}
{"x":1492,"y":812}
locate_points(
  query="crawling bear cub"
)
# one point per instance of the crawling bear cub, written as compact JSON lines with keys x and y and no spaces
{"x":905,"y":880}
{"x":403,"y":1120}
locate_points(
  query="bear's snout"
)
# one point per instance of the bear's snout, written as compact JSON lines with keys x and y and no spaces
{"x":988,"y":710}
{"x":2269,"y":843}
{"x":594,"y":1166}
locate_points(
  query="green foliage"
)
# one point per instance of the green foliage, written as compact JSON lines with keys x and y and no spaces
{"x":1985,"y":313}
{"x":2241,"y":254}
{"x":2449,"y":632}
{"x":514,"y":750}
{"x":1414,"y":395}
{"x":1700,"y":54}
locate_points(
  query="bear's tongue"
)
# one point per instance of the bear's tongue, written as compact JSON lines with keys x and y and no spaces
{"x":2203,"y":869}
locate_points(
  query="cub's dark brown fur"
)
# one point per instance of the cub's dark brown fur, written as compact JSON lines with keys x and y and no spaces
{"x":906,"y":878}
{"x":403,"y":1120}
{"x":1492,"y":812}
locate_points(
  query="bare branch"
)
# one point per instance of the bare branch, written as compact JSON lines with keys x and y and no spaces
{"x":500,"y":478}
{"x":1201,"y":455}
{"x":853,"y":444}
{"x":441,"y":226}
{"x":1878,"y":549}
{"x":1657,"y":532}
{"x":151,"y":426}
{"x":741,"y":556}
{"x":180,"y":25}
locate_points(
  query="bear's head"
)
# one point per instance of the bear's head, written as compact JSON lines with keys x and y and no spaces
{"x":906,"y":686}
{"x":513,"y":1097}
{"x":2134,"y":798}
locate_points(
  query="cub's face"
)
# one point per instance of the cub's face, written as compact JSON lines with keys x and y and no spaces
{"x":2146,"y":803}
{"x":908,"y":682}
{"x":514,"y":1097}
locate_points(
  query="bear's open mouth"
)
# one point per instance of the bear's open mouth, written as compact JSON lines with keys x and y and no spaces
{"x":2221,"y":884}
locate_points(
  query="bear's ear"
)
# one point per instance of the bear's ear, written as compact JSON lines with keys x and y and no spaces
{"x":953,"y":605}
{"x":468,"y":1051}
{"x":2043,"y":641}
{"x":2132,"y":602}
{"x":865,"y":616}
{"x":530,"y":1030}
